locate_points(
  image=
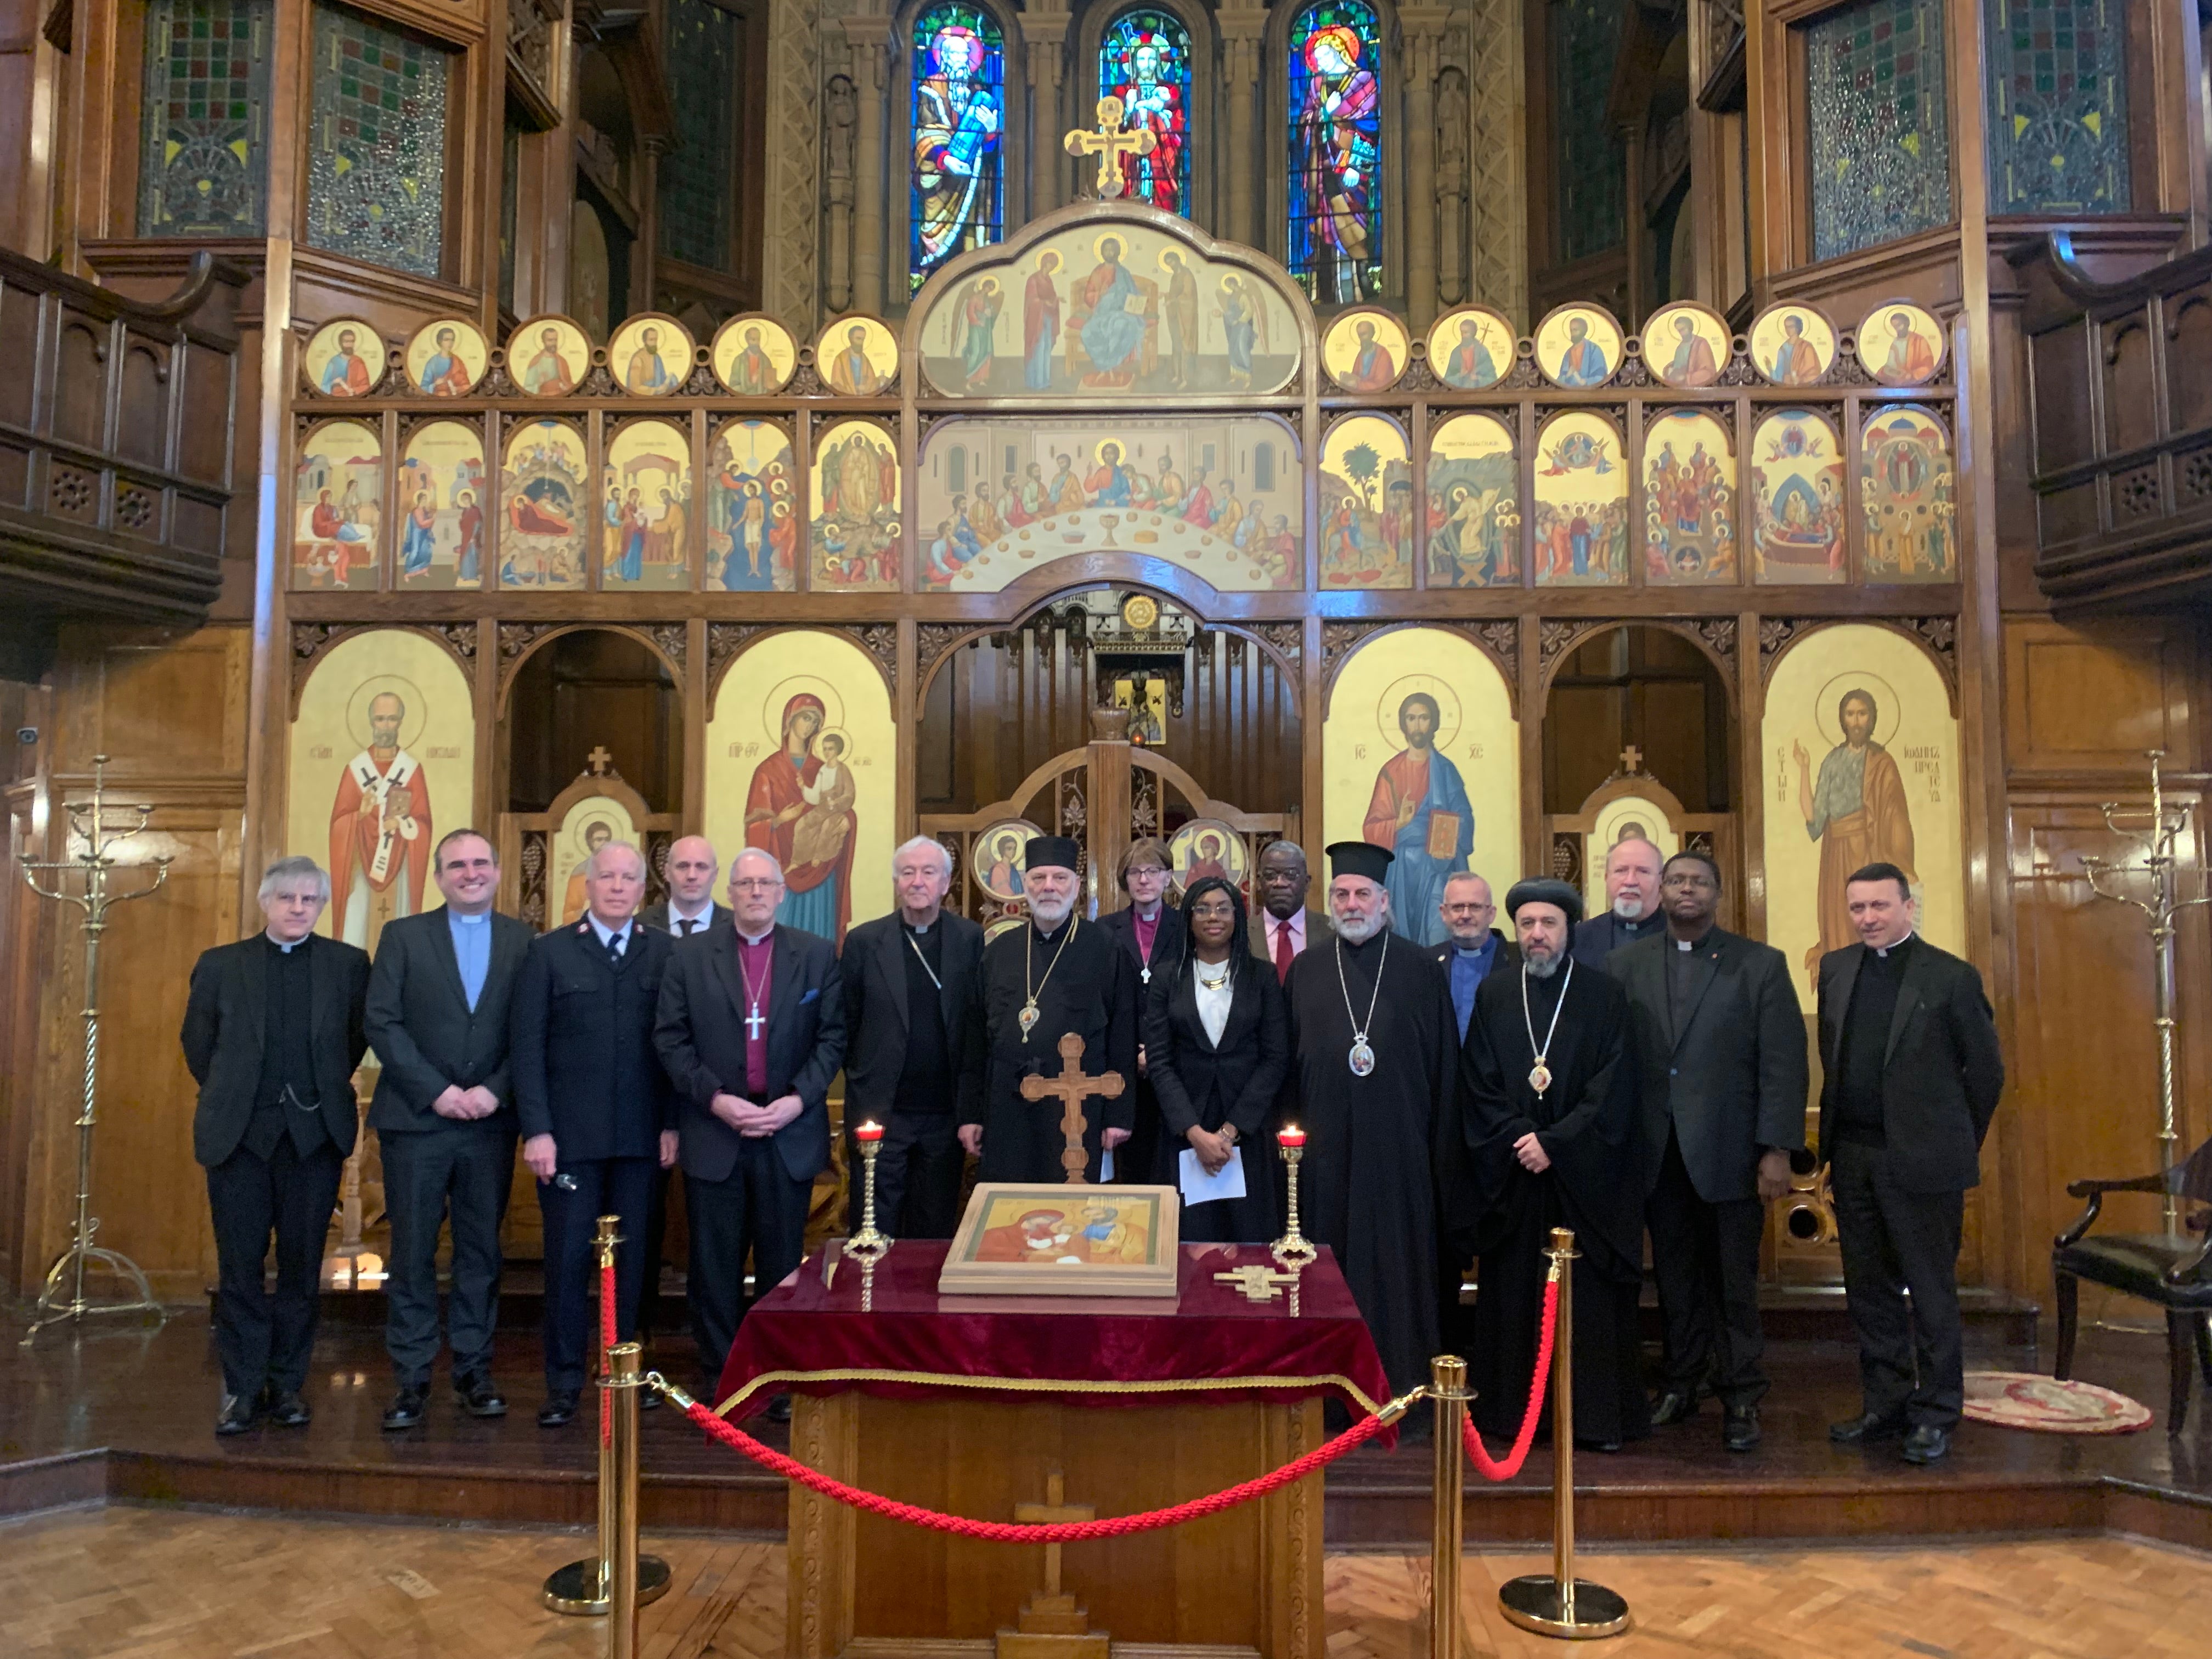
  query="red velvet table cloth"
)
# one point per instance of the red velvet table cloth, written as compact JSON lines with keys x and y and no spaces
{"x":1217,"y":1345}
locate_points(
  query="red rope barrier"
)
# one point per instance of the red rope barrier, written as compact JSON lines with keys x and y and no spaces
{"x":606,"y":1340}
{"x":1000,"y":1532}
{"x":1507,"y":1468}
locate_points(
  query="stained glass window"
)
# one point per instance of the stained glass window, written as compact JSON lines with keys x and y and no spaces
{"x":698,"y":177}
{"x":2058,"y":106}
{"x":1881,"y":124}
{"x":1145,"y":61}
{"x":1336,"y":158}
{"x":1590,"y":192}
{"x":959,"y":112}
{"x":203,"y":156}
{"x":376,"y":164}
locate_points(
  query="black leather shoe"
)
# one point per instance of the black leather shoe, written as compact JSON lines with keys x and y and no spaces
{"x":1865,"y":1429}
{"x":1927,"y":1444}
{"x":778,"y":1409}
{"x":559,"y":1409}
{"x":405,"y":1411}
{"x":1740,"y":1428}
{"x":1672,"y":1407}
{"x":478,"y":1396}
{"x":236,"y":1416}
{"x":291,"y":1411}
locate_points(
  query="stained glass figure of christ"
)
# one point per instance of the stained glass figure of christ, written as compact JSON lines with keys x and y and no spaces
{"x":1145,"y":61}
{"x":1336,"y":186}
{"x":959,"y":112}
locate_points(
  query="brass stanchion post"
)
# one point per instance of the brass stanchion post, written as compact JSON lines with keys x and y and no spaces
{"x":625,"y":1591}
{"x":1448,"y":1387}
{"x":580,"y":1587}
{"x":1560,"y":1604}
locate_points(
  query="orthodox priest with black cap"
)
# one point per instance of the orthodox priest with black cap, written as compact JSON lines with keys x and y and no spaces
{"x":1548,"y":1092}
{"x":1053,"y":975}
{"x":1373,"y":1040}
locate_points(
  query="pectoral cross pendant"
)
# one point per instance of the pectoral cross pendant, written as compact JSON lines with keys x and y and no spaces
{"x":1027,"y":1018}
{"x":754,"y":1022}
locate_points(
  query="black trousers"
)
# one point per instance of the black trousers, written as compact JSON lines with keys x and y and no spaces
{"x":614,"y":1186}
{"x":459,"y":1174}
{"x":1909,"y":1360}
{"x":757,"y":1208}
{"x":1705,"y":1257}
{"x":918,"y":1168}
{"x":265,"y":1340}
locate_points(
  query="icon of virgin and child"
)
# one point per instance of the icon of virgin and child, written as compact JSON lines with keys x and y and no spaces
{"x":799,"y":807}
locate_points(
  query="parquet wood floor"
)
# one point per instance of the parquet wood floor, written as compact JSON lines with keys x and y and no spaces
{"x":137,"y":1583}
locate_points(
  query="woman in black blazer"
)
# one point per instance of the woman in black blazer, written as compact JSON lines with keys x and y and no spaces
{"x":1217,"y":1046}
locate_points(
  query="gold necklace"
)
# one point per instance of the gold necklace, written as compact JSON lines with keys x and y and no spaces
{"x":1029,"y":1016}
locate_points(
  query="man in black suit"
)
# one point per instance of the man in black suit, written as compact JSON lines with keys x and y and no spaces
{"x":438,"y":1019}
{"x":1632,"y":902}
{"x":690,"y":906}
{"x":1472,"y":947}
{"x":1285,"y":927}
{"x":1720,"y":1046}
{"x":1912,"y":1075}
{"x":1150,"y":931}
{"x":597,"y":1113}
{"x":751,"y":1028}
{"x":273,"y":1029}
{"x":908,"y":979}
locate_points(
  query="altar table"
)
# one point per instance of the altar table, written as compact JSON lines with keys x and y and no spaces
{"x":973,"y":1410}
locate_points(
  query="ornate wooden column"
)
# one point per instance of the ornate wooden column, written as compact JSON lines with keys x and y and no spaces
{"x":1422,"y":38}
{"x":867,"y":39}
{"x":1047,"y":34}
{"x":1242,"y":32}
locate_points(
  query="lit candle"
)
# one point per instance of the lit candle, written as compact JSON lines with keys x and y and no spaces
{"x":1291,"y":1135}
{"x":869,"y":1134}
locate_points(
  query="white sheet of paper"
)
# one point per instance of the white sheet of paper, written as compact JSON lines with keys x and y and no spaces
{"x":1105,"y":1166}
{"x":1200,"y":1188}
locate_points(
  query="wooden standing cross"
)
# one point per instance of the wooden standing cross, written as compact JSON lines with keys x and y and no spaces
{"x":1072,"y":1087}
{"x":1109,"y":143}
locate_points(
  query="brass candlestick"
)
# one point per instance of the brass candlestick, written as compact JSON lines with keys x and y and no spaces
{"x":1293,"y":1250}
{"x":89,"y":824}
{"x":868,"y":1244}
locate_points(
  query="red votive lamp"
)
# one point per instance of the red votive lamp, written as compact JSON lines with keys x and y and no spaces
{"x":1291,"y":1135}
{"x":869,"y":1134}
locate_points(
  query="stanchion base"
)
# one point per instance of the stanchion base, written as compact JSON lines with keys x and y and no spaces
{"x":576,"y":1588}
{"x":1534,"y":1604}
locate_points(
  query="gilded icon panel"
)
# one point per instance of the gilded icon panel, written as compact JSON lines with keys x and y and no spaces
{"x":337,"y":505}
{"x":1366,"y":528}
{"x":646,"y":506}
{"x":1905,"y":490}
{"x":1797,"y":499}
{"x":1793,"y":345}
{"x":1365,"y":350}
{"x":543,"y":492}
{"x":441,"y":506}
{"x":1901,"y":344}
{"x":1471,"y":348}
{"x":445,"y":358}
{"x":1473,"y":491}
{"x":548,"y":357}
{"x":1578,"y":346}
{"x":753,"y":502}
{"x":856,"y":357}
{"x":855,"y":502}
{"x":754,"y":355}
{"x":1686,"y":345}
{"x":1582,"y":502}
{"x":650,"y":355}
{"x":345,"y":358}
{"x":1689,"y":500}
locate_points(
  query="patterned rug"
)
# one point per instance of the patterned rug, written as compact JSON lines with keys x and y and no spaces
{"x":2023,"y":1400}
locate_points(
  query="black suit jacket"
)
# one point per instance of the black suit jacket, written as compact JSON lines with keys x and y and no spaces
{"x":425,"y":1035}
{"x":656,"y":916}
{"x":1942,"y":1073}
{"x":1730,"y":1079}
{"x":584,"y":1068}
{"x":872,"y":974}
{"x":1120,"y":927}
{"x":226,"y":1022}
{"x":1199,"y":1082}
{"x":701,"y":1034}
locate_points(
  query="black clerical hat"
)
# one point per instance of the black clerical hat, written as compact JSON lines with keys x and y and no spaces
{"x":1543,"y":889}
{"x":1052,"y":850}
{"x":1358,"y":858}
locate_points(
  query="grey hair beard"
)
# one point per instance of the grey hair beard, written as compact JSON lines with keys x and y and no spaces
{"x":1049,"y":919}
{"x":1358,"y":930}
{"x":1627,"y":910}
{"x":1542,"y":966}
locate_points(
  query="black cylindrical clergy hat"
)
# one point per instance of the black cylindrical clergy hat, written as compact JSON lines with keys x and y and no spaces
{"x":1047,"y":851}
{"x":1358,"y":858}
{"x":1544,"y":890}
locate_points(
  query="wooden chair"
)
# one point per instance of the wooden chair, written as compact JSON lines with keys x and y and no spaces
{"x":2170,"y":1271}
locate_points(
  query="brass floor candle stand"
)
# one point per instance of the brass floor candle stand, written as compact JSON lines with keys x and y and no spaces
{"x":586,"y":1586}
{"x":62,"y":1298}
{"x":2153,"y":832}
{"x":1558,"y":1603}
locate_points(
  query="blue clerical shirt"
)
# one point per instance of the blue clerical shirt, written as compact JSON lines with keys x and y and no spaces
{"x":472,"y":951}
{"x":1467,"y":970}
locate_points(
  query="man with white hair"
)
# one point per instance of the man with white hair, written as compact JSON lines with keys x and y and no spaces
{"x":273,"y":1029}
{"x":910,"y":978}
{"x":1631,"y":900}
{"x":1374,"y":1056}
{"x":751,"y":1028}
{"x":1548,"y":1088}
{"x":1054,"y":975}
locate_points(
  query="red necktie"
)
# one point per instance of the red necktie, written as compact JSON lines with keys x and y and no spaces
{"x":1282,"y":951}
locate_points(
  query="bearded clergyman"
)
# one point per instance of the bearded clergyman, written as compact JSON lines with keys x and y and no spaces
{"x":1373,"y":1037}
{"x":1548,"y":1092}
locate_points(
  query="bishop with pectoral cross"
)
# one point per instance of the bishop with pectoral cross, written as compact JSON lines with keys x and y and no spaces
{"x":1054,"y":977}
